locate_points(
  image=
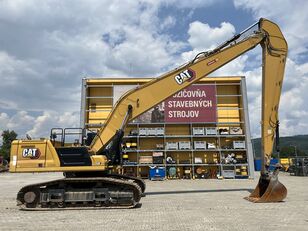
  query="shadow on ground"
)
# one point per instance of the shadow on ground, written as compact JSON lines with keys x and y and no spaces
{"x":199,"y":191}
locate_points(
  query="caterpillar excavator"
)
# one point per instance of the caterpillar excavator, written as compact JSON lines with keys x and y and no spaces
{"x":88,"y":183}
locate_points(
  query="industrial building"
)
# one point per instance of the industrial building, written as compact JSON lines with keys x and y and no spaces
{"x":200,"y":132}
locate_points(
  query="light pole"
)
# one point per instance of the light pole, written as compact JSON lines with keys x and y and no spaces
{"x":295,"y":150}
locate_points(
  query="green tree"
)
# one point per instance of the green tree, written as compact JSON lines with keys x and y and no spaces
{"x":7,"y":137}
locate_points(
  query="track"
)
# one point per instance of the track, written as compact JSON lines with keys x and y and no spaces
{"x":136,"y":180}
{"x":80,"y":193}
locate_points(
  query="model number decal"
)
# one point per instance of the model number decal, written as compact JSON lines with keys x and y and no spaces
{"x":186,"y":75}
{"x":212,"y":62}
{"x":32,"y":153}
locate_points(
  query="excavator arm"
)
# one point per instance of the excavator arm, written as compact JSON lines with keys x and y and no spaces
{"x":274,"y":54}
{"x":274,"y":58}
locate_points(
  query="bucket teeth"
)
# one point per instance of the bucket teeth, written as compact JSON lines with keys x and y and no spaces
{"x":268,"y":190}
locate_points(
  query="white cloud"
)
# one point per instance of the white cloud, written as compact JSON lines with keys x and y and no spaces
{"x":4,"y":118}
{"x":193,"y":4}
{"x":202,"y":36}
{"x":47,"y":47}
{"x":290,"y":15}
{"x":168,"y":22}
{"x":234,"y":68}
{"x":42,"y":123}
{"x":39,"y":126}
{"x":140,"y":54}
{"x":44,"y":53}
{"x":21,"y":122}
{"x":21,"y":118}
{"x":11,"y":68}
{"x":293,"y":108}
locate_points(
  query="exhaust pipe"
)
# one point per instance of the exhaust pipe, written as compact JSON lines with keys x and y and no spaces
{"x":269,"y":189}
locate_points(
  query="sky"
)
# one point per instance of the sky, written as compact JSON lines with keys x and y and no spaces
{"x":47,"y":47}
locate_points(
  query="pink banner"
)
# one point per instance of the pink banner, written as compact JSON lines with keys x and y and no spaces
{"x":196,"y":103}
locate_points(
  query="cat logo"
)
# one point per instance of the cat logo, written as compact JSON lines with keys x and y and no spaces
{"x":32,"y":153}
{"x":187,"y":74}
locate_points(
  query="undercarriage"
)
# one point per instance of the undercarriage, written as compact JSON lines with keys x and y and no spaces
{"x":82,"y":193}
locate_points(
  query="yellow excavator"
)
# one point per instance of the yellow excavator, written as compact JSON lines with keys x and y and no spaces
{"x":88,"y":183}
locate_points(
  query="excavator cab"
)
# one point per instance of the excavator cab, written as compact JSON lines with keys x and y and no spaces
{"x":71,"y":143}
{"x":64,"y":137}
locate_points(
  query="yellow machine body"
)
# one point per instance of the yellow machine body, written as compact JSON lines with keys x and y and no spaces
{"x":41,"y":156}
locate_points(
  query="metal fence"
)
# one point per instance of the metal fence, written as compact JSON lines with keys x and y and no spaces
{"x":298,"y":166}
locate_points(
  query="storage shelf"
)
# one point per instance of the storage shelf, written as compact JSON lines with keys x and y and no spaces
{"x":150,"y":137}
{"x":184,"y":136}
{"x":149,"y":165}
{"x":244,"y":164}
{"x":233,"y":150}
{"x":177,"y":150}
{"x":131,"y":150}
{"x":206,"y":164}
{"x":184,"y":150}
{"x":206,"y":150}
{"x":231,"y":135}
{"x":182,"y":165}
{"x":191,"y":123}
{"x":188,"y":136}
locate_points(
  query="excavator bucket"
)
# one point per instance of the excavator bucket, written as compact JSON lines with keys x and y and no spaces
{"x":269,"y":189}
